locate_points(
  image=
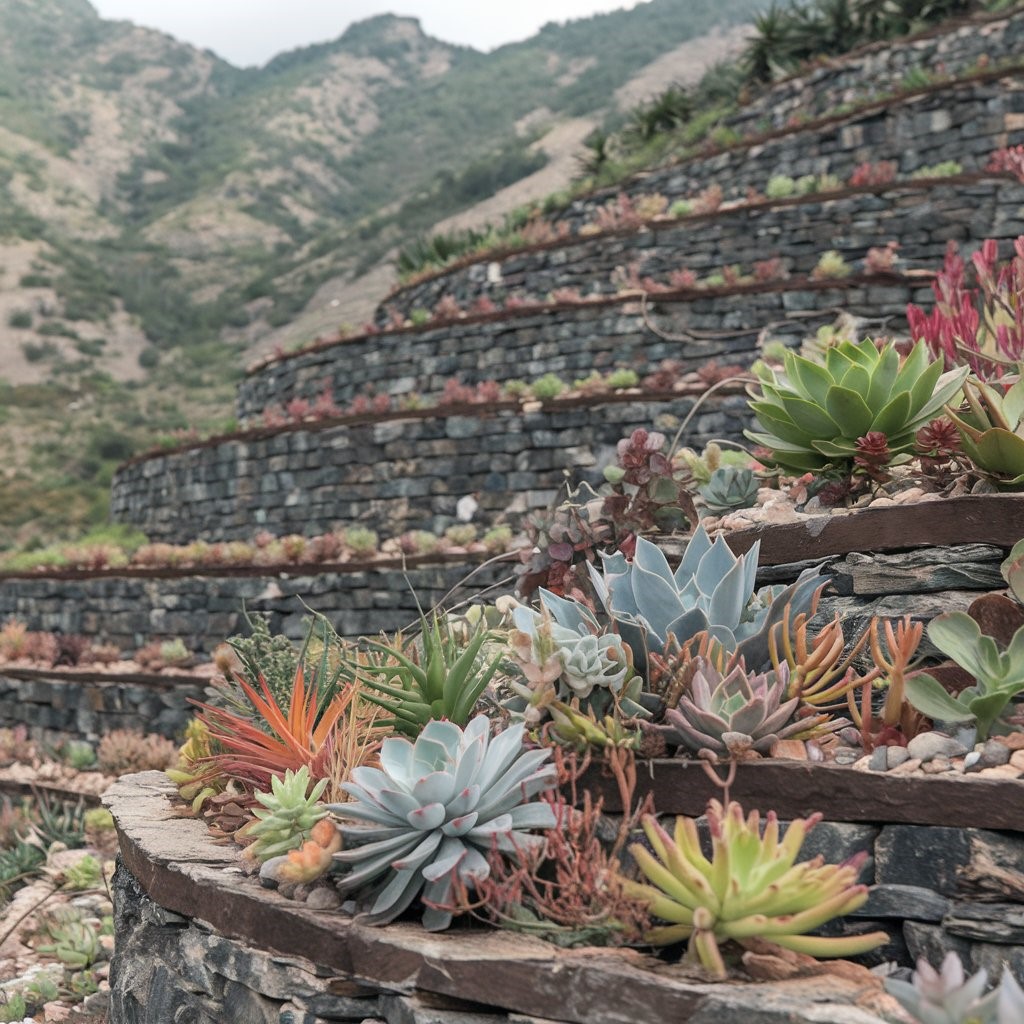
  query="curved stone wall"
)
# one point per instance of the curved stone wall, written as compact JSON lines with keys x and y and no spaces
{"x":961,"y":121}
{"x":402,"y":473}
{"x":204,"y":609}
{"x":86,"y":707}
{"x":571,"y":341}
{"x":884,"y":67}
{"x":922,"y":216}
{"x":249,"y":956}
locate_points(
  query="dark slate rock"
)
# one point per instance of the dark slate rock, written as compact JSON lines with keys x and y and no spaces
{"x":908,"y":902}
{"x":928,"y":857}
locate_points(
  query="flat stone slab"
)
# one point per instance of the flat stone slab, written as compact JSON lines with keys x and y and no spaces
{"x":177,"y":865}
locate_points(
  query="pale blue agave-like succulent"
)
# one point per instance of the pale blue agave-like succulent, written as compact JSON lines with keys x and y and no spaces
{"x":947,"y":996}
{"x":711,"y":590}
{"x":432,"y":812}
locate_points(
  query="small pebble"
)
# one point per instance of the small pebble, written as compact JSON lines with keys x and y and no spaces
{"x":895,"y":756}
{"x":878,"y":760}
{"x":929,"y":745}
{"x":846,"y":755}
{"x":936,"y":766}
{"x":972,"y":761}
{"x":908,"y":767}
{"x":323,"y":898}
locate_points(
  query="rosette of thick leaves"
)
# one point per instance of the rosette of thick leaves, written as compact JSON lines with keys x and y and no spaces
{"x":588,"y":658}
{"x":812,"y":414}
{"x":739,"y":712}
{"x":711,"y":590}
{"x":432,"y":812}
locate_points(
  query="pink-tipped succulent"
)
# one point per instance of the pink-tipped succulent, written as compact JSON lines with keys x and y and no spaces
{"x":751,"y":887}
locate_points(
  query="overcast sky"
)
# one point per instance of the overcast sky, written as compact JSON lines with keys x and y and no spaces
{"x":247,"y":32}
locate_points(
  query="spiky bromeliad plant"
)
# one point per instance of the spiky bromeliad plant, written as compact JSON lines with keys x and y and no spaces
{"x":812,"y":414}
{"x":434,"y":810}
{"x":711,"y":590}
{"x":750,"y":888}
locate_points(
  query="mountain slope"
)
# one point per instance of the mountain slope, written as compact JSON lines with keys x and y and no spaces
{"x":163,"y":213}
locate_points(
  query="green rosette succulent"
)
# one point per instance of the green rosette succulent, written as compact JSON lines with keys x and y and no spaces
{"x":729,"y":488}
{"x":711,"y":590}
{"x":739,"y":712}
{"x":289,"y":812}
{"x":751,"y":887}
{"x":991,"y":428}
{"x":433,"y":811}
{"x":811,"y":414}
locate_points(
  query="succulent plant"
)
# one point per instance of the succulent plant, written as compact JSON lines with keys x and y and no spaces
{"x":947,"y":996}
{"x":751,"y":887}
{"x":992,"y":430}
{"x":123,"y":751}
{"x":999,"y":675}
{"x":443,"y":679}
{"x":289,"y":812}
{"x":308,"y":861}
{"x":711,"y":590}
{"x":565,"y":656}
{"x":812,"y":414}
{"x":434,"y":810}
{"x":729,"y":488}
{"x":737,"y":712}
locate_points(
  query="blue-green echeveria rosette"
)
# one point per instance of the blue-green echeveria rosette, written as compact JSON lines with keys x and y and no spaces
{"x":433,"y":811}
{"x":710,"y":590}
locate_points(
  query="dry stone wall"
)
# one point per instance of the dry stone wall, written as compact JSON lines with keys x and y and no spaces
{"x":958,"y":121}
{"x":883,"y":68}
{"x":922,"y":216}
{"x":400,"y":474}
{"x":572,"y":341}
{"x":203,"y":610}
{"x":251,"y":957}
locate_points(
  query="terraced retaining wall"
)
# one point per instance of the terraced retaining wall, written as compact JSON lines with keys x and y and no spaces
{"x":252,"y":957}
{"x":398,"y":474}
{"x":202,"y":610}
{"x":86,"y":706}
{"x":951,"y":121}
{"x":571,"y":341}
{"x":923,"y":216}
{"x":883,"y":67}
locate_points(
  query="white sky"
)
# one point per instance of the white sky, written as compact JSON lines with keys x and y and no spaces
{"x":247,"y":32}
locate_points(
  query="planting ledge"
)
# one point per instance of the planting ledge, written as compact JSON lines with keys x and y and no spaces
{"x":199,"y":942}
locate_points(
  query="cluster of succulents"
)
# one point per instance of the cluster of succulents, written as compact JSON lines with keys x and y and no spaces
{"x":123,"y":751}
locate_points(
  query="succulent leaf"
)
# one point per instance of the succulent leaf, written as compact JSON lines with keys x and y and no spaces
{"x":811,"y":415}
